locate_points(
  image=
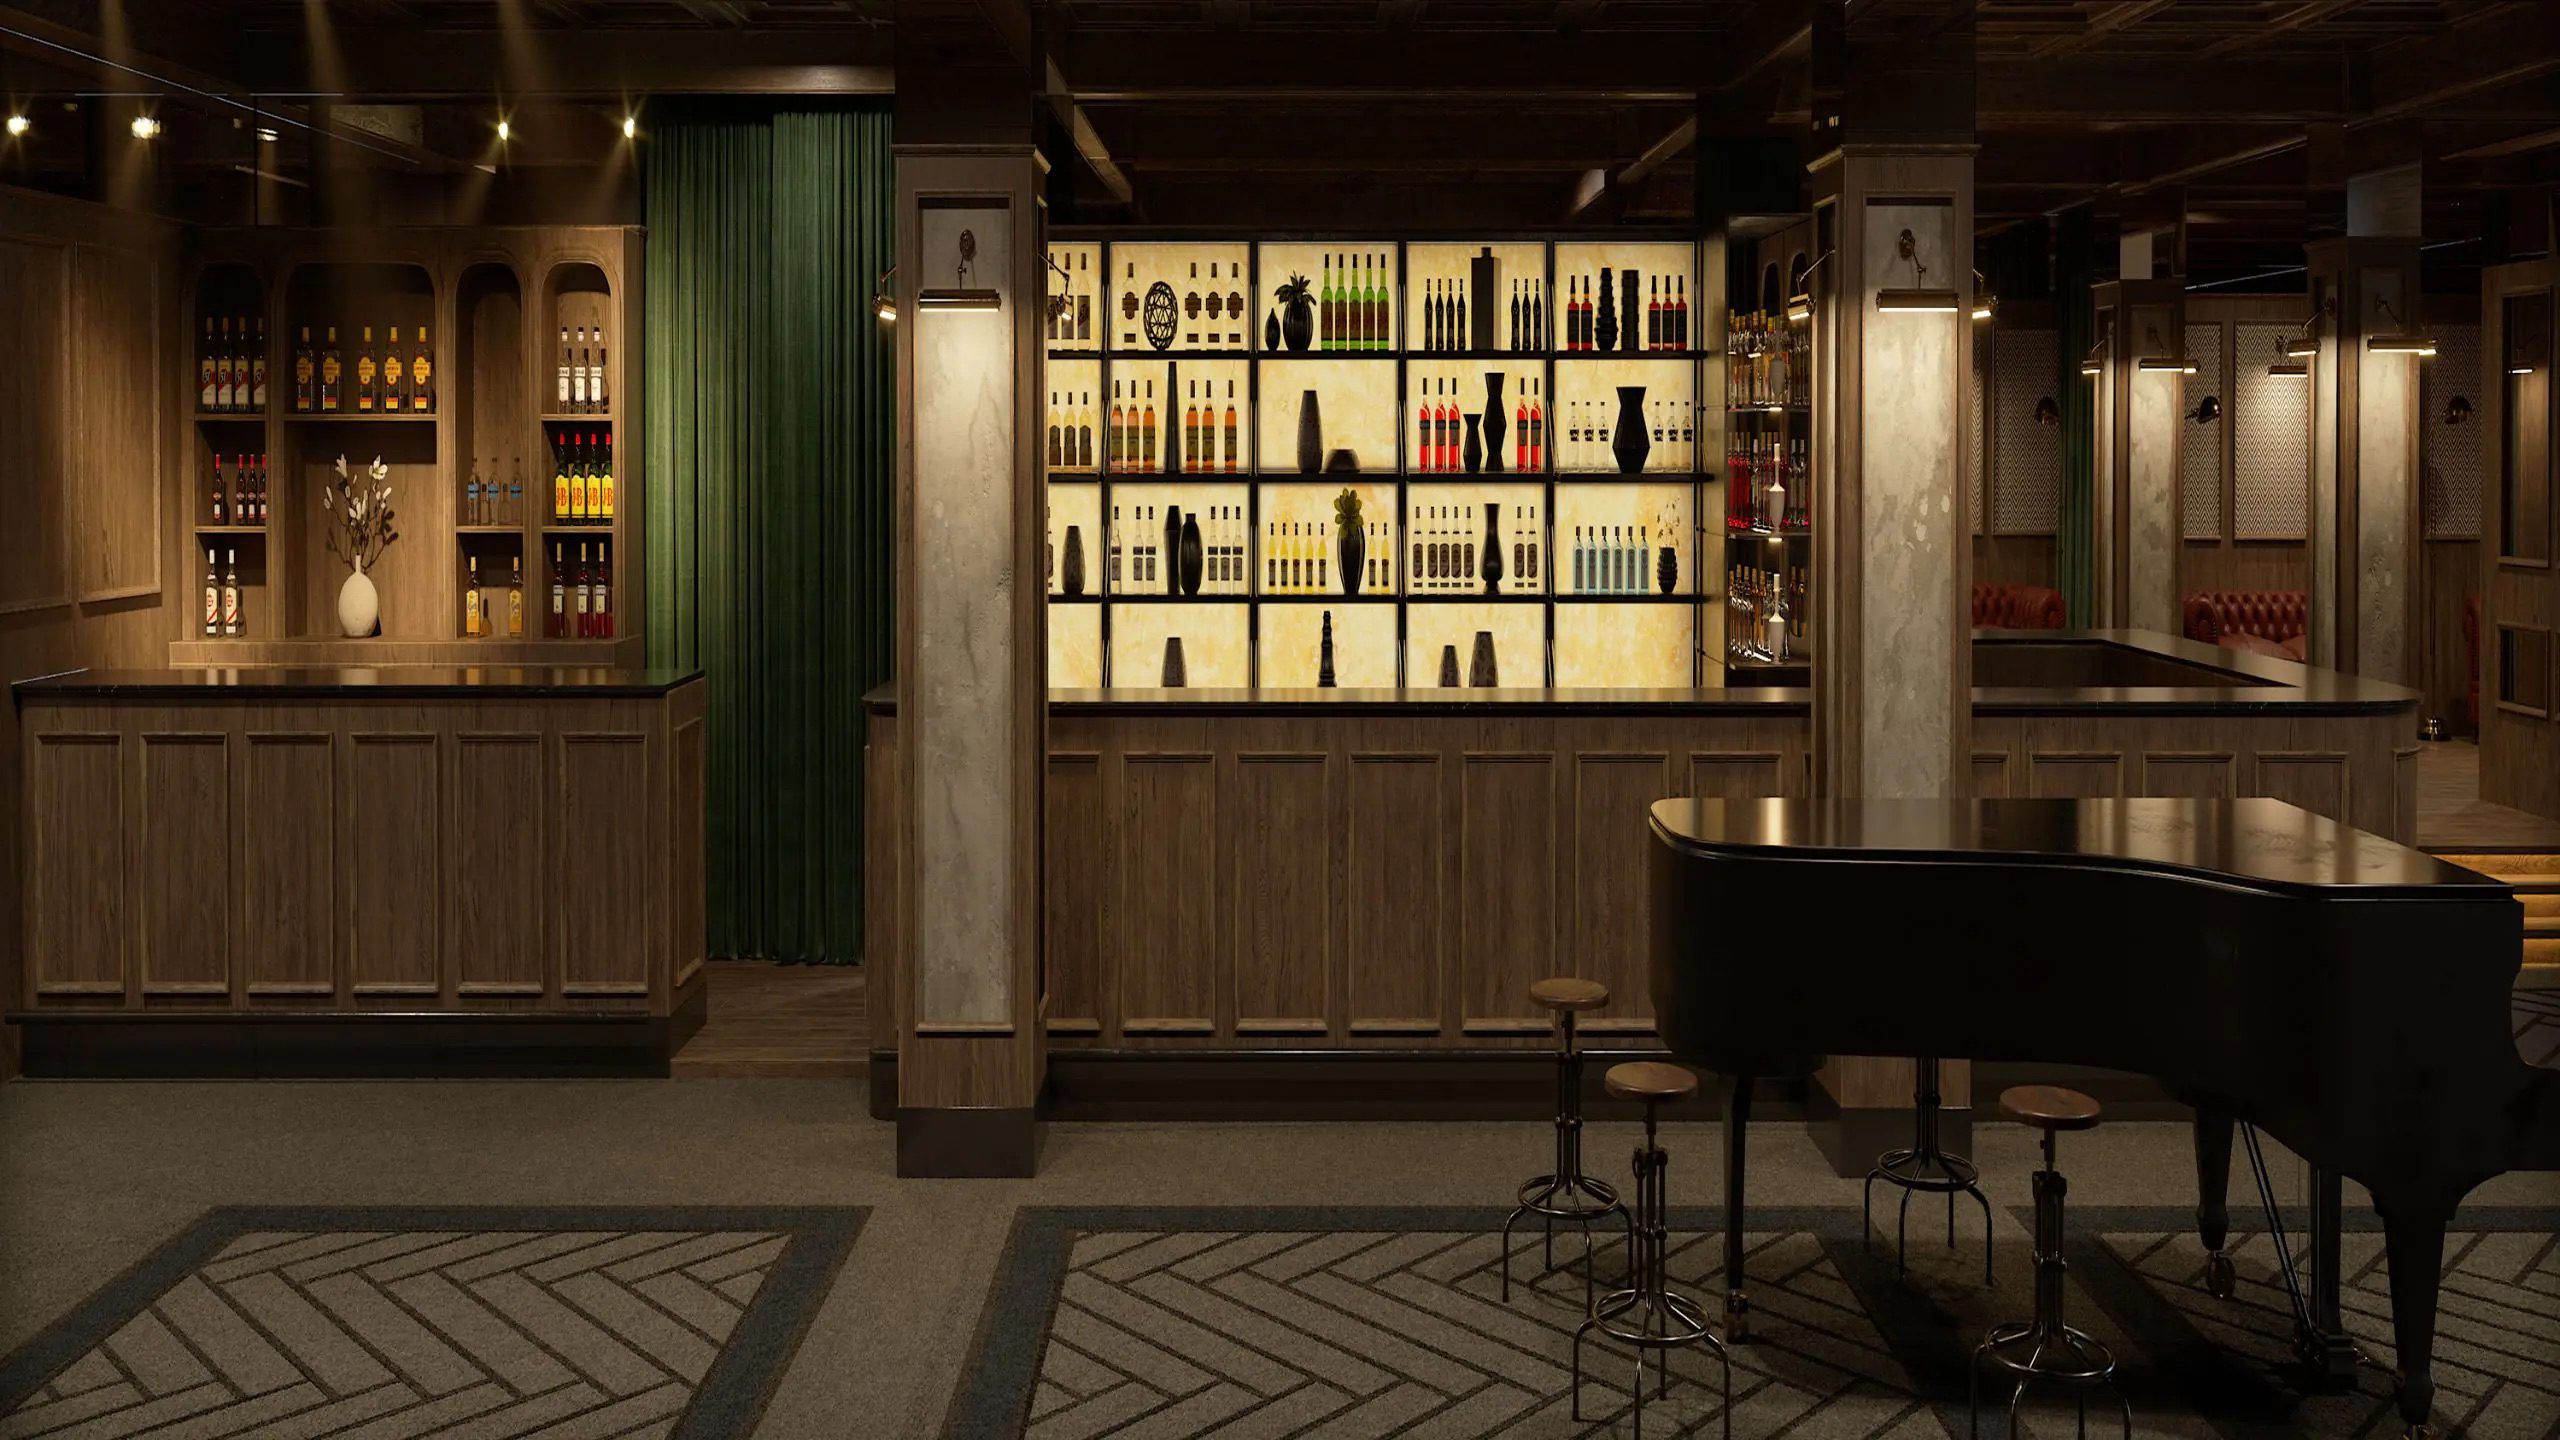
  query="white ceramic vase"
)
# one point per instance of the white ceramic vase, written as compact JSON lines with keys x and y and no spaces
{"x":359,"y":605}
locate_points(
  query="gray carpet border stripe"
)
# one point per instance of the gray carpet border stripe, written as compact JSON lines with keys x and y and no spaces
{"x":729,"y":1400}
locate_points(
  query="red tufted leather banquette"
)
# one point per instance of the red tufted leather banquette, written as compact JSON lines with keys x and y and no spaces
{"x":2277,"y":615}
{"x":2017,"y":607}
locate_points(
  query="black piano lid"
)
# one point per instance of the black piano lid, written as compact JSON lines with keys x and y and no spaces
{"x":2257,"y":843}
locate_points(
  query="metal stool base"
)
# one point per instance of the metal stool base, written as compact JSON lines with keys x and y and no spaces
{"x":1550,"y":1198}
{"x":1926,"y":1169}
{"x":1660,"y":1321}
{"x":2095,"y":1369}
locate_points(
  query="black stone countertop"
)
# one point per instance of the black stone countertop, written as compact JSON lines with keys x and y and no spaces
{"x":387,"y":682}
{"x":2208,"y":681}
{"x":2261,"y":842}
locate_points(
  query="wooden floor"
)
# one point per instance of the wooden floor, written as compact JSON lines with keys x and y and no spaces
{"x":2452,"y":816}
{"x":780,"y":1022}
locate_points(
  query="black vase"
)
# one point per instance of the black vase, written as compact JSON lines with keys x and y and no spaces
{"x":1324,"y":657}
{"x":1473,"y":453}
{"x":1172,"y":548}
{"x":1631,"y":321}
{"x":1071,"y":573}
{"x":1298,"y":324}
{"x":1493,"y":422}
{"x":1271,"y":331}
{"x":1482,"y":673}
{"x":1631,"y":444}
{"x":1191,"y":553}
{"x":1176,"y":673}
{"x":1666,"y":571}
{"x":1492,"y":564}
{"x":1604,"y":318}
{"x":1448,"y":667}
{"x":1310,"y":431}
{"x":1350,"y":558}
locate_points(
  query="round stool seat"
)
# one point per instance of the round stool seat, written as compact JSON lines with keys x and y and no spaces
{"x":2049,"y":1107}
{"x":1563,"y":992}
{"x":1649,"y":1080}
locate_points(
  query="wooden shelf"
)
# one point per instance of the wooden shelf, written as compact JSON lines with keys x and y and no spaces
{"x":515,"y":530}
{"x":602,"y":528}
{"x":604,"y":419}
{"x":231,"y":529}
{"x":348,"y":417}
{"x":620,"y":651}
{"x":231,"y":417}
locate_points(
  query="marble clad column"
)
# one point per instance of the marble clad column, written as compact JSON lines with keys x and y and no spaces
{"x":972,"y":682}
{"x":2142,"y":426}
{"x":1892,"y":571}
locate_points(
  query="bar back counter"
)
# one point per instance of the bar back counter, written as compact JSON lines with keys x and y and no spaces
{"x":1374,"y":878}
{"x":439,"y":870}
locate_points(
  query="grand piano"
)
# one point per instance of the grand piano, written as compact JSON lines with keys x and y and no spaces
{"x":2344,"y":994}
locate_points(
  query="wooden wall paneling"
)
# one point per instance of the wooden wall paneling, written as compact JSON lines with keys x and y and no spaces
{"x":288,"y":866}
{"x":603,"y":801}
{"x":2452,"y":577}
{"x":1074,"y":893}
{"x":392,"y":828}
{"x":505,"y":857}
{"x":35,"y":459}
{"x":2316,"y":780}
{"x":2074,"y":773}
{"x":1736,"y":774}
{"x":883,"y":834}
{"x":1609,"y":926}
{"x":688,"y":915}
{"x":79,"y":924}
{"x":1506,"y":897}
{"x":1397,"y":891}
{"x":2191,"y":774}
{"x":117,"y":302}
{"x":1169,"y":932}
{"x":183,"y":872}
{"x":1281,"y":892}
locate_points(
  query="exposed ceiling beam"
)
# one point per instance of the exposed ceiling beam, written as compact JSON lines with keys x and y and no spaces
{"x":715,"y":12}
{"x":2505,"y":47}
{"x":1414,"y":67}
{"x":2084,"y":90}
{"x":432,"y":64}
{"x":2309,"y":12}
{"x":1585,"y":195}
{"x":2512,"y":145}
{"x":1086,"y":140}
{"x":2125,"y":14}
{"x":1574,"y":14}
{"x":1400,"y":14}
{"x":1229,"y":14}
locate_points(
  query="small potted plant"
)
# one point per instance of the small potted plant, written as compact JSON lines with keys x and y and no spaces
{"x":360,"y":528}
{"x":1297,"y":313}
{"x":1350,"y":540}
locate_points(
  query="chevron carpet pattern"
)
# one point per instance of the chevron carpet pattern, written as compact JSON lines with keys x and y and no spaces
{"x":507,"y":1325}
{"x":1253,"y":1323}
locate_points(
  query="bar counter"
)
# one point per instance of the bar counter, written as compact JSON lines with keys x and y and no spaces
{"x":1356,"y":872}
{"x":413,"y":869}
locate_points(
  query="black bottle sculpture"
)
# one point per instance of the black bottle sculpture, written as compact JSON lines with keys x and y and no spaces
{"x":1172,"y":549}
{"x":1324,"y":662}
{"x":1631,"y":444}
{"x":1071,"y":574}
{"x":1604,"y":317}
{"x":1310,"y":434}
{"x":1493,"y":425}
{"x":1473,"y":451}
{"x":1492,"y":552}
{"x":1193,"y":557}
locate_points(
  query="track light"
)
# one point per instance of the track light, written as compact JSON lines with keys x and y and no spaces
{"x":145,"y":128}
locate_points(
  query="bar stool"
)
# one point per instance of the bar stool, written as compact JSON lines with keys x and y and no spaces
{"x":1566,"y":1193}
{"x":2054,"y":1350}
{"x":1926,"y":1167}
{"x":1649,"y":1314}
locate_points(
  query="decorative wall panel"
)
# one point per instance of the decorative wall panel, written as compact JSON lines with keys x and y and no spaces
{"x":2200,"y":458}
{"x":2026,"y":474}
{"x":2450,"y":454}
{"x":1984,"y":347}
{"x":2270,"y":440}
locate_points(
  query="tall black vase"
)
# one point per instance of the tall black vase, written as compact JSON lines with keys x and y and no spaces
{"x":1071,"y":569}
{"x":1172,"y":550}
{"x":1631,"y":444}
{"x":1310,"y":435}
{"x":1491,"y":564}
{"x":1193,"y":558}
{"x":1472,"y":454}
{"x":1604,"y":316}
{"x":1630,"y":313}
{"x":1493,"y":421}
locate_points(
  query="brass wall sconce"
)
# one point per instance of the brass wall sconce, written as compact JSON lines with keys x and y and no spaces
{"x":2157,"y":363}
{"x":1800,"y":304}
{"x":2400,"y":341}
{"x":884,"y":298}
{"x":1985,"y":303}
{"x":963,"y":295}
{"x":2206,"y":410}
{"x":1916,"y":299}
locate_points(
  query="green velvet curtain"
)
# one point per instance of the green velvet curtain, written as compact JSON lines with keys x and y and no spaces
{"x":2073,"y":272}
{"x":768,"y":442}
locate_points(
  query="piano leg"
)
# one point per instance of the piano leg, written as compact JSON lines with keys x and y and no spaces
{"x":2413,"y":1243}
{"x":2213,"y":1208}
{"x":2329,"y":1354}
{"x":1737,"y":1127}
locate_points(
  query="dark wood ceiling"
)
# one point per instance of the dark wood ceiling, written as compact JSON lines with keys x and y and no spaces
{"x":2245,"y":115}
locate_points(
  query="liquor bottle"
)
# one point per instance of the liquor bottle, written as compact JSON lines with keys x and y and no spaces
{"x":1426,"y":440}
{"x":1458,"y":319}
{"x":604,"y":477}
{"x":258,"y":369}
{"x":1520,"y":434}
{"x":1129,"y":308}
{"x":1084,"y":300}
{"x":1327,"y":322}
{"x":560,"y":479}
{"x":578,"y":587}
{"x":331,"y":372}
{"x":1083,"y":418}
{"x":1113,"y":542}
{"x":1191,"y":425}
{"x":1233,"y":446}
{"x":595,"y":403}
{"x":560,"y":401}
{"x":471,"y":602}
{"x":1537,"y":425}
{"x":395,"y":376}
{"x":422,"y":376}
{"x":515,"y":492}
{"x":1147,"y":431}
{"x":1539,"y":338}
{"x":577,"y":480}
{"x":212,"y":596}
{"x":226,"y":370}
{"x":306,"y":376}
{"x":368,"y":375}
{"x":1652,"y":313}
{"x":231,"y":623}
{"x":221,"y":495}
{"x":471,"y":496}
{"x":578,"y":374}
{"x":1680,"y":325}
{"x":209,"y":371}
{"x":557,"y":626}
{"x":603,"y":603}
{"x":515,"y":600}
{"x":1054,"y":461}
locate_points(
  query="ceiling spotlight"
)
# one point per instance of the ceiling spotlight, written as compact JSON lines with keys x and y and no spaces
{"x":18,"y":125}
{"x":504,"y":133}
{"x":145,"y":128}
{"x":630,"y":127}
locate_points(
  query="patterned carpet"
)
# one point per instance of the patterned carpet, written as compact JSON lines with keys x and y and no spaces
{"x":484,"y":1323}
{"x":1335,"y":1324}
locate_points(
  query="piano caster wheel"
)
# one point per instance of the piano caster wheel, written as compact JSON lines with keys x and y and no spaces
{"x":1737,"y":1318}
{"x":2221,"y":1278}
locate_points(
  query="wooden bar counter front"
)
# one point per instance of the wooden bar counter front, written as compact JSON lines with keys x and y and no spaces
{"x":410,"y":870}
{"x":1379,"y":875}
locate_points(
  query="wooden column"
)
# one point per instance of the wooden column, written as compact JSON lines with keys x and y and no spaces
{"x":2366,"y":496}
{"x":1892,"y":572}
{"x":972,"y":660}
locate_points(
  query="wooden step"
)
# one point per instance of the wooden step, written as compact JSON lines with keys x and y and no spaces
{"x":2542,"y":952}
{"x":2535,"y":871}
